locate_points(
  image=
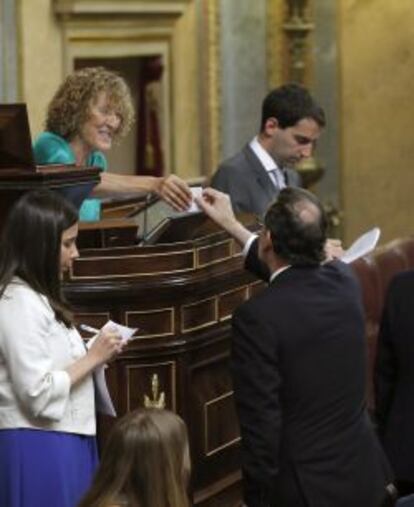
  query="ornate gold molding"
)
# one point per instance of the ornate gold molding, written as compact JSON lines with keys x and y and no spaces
{"x":138,"y":372}
{"x":119,"y":7}
{"x":275,"y":42}
{"x":297,"y":27}
{"x":289,"y":25}
{"x":210,"y":84}
{"x":158,"y":398}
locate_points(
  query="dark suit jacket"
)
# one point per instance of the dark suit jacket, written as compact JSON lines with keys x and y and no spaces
{"x":394,"y":376}
{"x":298,"y":365}
{"x":247,"y":182}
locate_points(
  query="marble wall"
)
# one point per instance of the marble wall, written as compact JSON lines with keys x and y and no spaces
{"x":325,"y":87}
{"x":9,"y":82}
{"x":243,"y":71}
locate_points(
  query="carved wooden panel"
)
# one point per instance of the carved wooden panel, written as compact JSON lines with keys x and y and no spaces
{"x":218,"y":436}
{"x":199,"y":315}
{"x":229,"y":301}
{"x":215,"y":442}
{"x":132,"y":265}
{"x":214,"y":253}
{"x":152,"y":323}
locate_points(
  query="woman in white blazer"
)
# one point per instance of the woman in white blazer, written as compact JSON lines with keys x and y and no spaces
{"x":47,"y":405}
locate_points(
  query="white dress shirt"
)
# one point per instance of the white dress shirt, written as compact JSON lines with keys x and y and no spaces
{"x":275,"y":172}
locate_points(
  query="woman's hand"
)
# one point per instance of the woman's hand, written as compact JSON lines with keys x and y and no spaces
{"x":174,"y":191}
{"x":106,"y":346}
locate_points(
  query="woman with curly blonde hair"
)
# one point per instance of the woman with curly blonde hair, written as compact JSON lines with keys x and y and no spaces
{"x":145,"y":463}
{"x":91,"y":109}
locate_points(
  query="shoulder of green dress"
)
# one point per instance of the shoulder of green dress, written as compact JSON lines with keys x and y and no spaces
{"x":50,"y":148}
{"x":50,"y":138}
{"x":98,"y":159}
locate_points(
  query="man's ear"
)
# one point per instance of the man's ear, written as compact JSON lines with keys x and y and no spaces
{"x":267,"y":244}
{"x":271,"y":124}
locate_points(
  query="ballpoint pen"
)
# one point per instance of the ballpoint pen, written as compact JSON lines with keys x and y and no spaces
{"x":93,"y":330}
{"x":89,"y":329}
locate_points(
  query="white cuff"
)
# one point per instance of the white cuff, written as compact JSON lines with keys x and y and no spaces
{"x":248,"y":244}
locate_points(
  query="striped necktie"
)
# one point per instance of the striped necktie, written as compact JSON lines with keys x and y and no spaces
{"x":278,"y":177}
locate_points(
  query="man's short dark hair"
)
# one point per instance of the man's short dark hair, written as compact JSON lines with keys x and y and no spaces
{"x":297,"y":225}
{"x":289,"y":104}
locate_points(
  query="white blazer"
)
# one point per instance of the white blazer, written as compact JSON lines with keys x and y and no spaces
{"x":35,"y":349}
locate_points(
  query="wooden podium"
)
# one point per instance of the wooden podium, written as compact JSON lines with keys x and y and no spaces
{"x":181,"y":296}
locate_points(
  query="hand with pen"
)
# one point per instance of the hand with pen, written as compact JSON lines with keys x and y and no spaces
{"x":126,"y":333}
{"x":103,"y":347}
{"x":106,"y":345}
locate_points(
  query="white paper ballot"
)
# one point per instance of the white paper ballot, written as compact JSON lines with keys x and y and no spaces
{"x":103,"y":399}
{"x":197,"y":192}
{"x":125,"y":332}
{"x":362,"y":246}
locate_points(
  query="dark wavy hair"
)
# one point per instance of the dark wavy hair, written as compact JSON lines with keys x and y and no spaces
{"x":30,"y":246}
{"x":297,"y":240}
{"x":289,"y":104}
{"x":144,"y":462}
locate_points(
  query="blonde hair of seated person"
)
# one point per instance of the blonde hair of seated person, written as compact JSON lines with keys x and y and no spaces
{"x":145,"y":463}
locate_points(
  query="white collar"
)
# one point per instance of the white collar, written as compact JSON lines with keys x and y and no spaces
{"x":266,"y":160}
{"x":278,"y":271}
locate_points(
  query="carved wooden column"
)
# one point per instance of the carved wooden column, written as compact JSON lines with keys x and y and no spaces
{"x":297,"y":28}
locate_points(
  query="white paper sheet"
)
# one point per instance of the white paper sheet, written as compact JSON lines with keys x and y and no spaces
{"x":362,"y":246}
{"x":196,"y":191}
{"x":103,"y":399}
{"x":125,"y":332}
{"x":104,"y":404}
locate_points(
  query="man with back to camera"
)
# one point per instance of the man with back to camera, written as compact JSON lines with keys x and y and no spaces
{"x":394,"y":379}
{"x":291,"y":124}
{"x":298,"y":366}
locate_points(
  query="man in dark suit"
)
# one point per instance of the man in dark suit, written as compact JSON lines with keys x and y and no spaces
{"x":394,"y":380}
{"x":291,"y":124}
{"x":298,"y":366}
